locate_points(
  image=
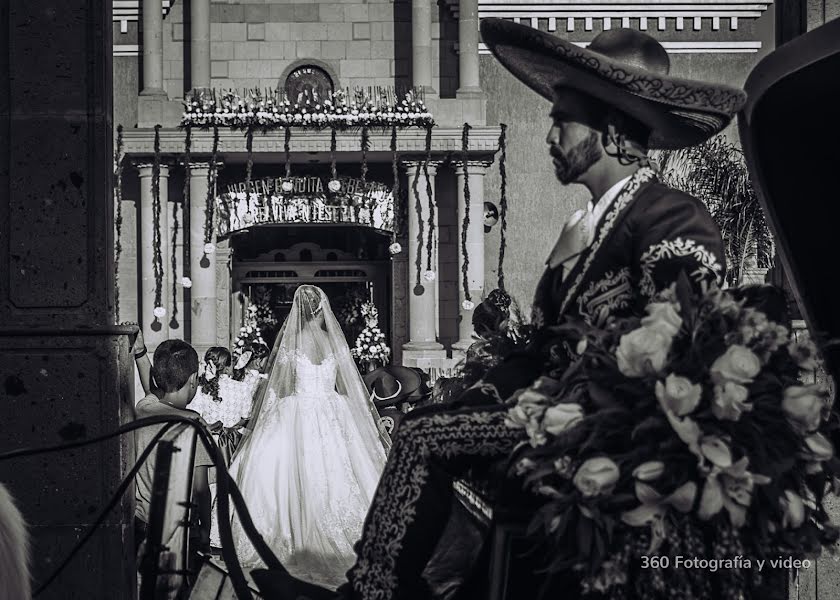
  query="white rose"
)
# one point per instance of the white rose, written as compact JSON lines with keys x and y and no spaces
{"x":559,"y":418}
{"x":649,"y":471}
{"x":159,"y":312}
{"x":678,"y":394}
{"x":730,"y":401}
{"x":738,"y":364}
{"x":804,"y":405}
{"x":805,"y":354}
{"x":596,"y":476}
{"x":642,"y":351}
{"x":663,"y":316}
{"x":793,"y":508}
{"x":819,"y":446}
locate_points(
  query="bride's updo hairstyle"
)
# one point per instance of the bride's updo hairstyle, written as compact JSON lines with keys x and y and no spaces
{"x":310,"y":302}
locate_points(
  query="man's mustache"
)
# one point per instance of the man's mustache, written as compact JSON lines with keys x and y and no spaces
{"x":557,"y":154}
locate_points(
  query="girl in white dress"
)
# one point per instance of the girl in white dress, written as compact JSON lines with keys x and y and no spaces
{"x":310,"y":465}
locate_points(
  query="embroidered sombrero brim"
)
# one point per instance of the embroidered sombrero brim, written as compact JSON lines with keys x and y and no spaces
{"x":679,"y":112}
{"x":788,"y":129}
{"x":409,"y":381}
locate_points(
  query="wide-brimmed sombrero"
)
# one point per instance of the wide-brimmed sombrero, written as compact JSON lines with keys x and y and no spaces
{"x":624,"y":68}
{"x":392,"y":385}
{"x":789,"y":130}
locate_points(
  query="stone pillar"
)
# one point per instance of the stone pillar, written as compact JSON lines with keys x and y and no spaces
{"x":475,"y":246}
{"x":469,"y":83}
{"x":421,"y":44}
{"x":66,"y":371}
{"x":200,"y":44}
{"x":155,"y":330}
{"x":224,"y":256}
{"x":422,"y":311}
{"x":152,"y":48}
{"x":202,"y":265}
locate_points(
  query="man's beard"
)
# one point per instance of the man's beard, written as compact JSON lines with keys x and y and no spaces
{"x":578,"y":161}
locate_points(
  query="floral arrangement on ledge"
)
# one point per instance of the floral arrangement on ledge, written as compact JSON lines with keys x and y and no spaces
{"x":271,"y":110}
{"x":371,"y":348}
{"x":686,"y":433}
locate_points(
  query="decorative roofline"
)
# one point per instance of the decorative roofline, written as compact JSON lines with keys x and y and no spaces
{"x":483,"y":141}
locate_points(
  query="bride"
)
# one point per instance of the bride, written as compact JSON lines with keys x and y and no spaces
{"x":310,"y":465}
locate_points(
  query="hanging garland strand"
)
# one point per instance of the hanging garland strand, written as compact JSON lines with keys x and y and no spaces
{"x":418,"y":206}
{"x":187,"y":269}
{"x":157,"y":258}
{"x":365,"y":148}
{"x":333,"y":145}
{"x":503,"y":205}
{"x":249,"y":165}
{"x":431,"y":196}
{"x":209,"y":205}
{"x":465,"y":144}
{"x":287,"y":149}
{"x":173,"y":322}
{"x":395,"y":171}
{"x":118,"y":218}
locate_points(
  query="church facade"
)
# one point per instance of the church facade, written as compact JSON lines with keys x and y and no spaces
{"x":225,"y":205}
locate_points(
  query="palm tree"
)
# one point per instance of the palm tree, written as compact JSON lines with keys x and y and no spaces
{"x":716,"y":173}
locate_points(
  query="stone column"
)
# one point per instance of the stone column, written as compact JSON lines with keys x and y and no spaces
{"x":66,"y":371}
{"x":155,"y":330}
{"x":200,"y":44}
{"x":468,"y":48}
{"x":422,"y":311}
{"x":152,"y":48}
{"x":475,"y":246}
{"x":421,"y":44}
{"x":202,"y":265}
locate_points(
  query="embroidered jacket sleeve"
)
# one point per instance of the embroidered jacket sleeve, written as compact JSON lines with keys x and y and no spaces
{"x":674,"y":232}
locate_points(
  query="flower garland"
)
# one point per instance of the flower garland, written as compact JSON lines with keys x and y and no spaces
{"x":157,"y":259}
{"x":365,"y":149}
{"x":173,"y":322}
{"x":210,"y":203}
{"x":465,"y":144}
{"x":288,"y":151}
{"x":187,"y":268}
{"x":395,"y":172}
{"x":418,"y":206}
{"x":249,"y":164}
{"x":273,"y":112}
{"x":503,"y":205}
{"x":333,"y":146}
{"x":118,"y":219}
{"x":431,"y":196}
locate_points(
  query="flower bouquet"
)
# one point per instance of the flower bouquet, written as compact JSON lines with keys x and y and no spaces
{"x":677,"y":451}
{"x":371,"y":346}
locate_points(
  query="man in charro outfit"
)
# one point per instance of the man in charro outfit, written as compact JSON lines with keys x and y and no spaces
{"x":611,"y":103}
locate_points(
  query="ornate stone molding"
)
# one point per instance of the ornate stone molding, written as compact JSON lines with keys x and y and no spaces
{"x":445,"y":141}
{"x":126,"y":11}
{"x":712,"y":47}
{"x":474,"y":167}
{"x":571,"y":15}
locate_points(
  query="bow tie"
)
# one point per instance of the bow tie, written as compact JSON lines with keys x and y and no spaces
{"x":574,"y":239}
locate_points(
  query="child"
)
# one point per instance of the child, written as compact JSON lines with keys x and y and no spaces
{"x":221,"y":399}
{"x":175,"y":373}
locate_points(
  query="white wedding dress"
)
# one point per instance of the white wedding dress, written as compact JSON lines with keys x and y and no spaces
{"x":310,"y":467}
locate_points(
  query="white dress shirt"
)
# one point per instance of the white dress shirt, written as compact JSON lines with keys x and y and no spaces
{"x":579,"y":231}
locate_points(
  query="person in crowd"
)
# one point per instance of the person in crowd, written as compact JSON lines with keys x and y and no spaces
{"x":175,"y":375}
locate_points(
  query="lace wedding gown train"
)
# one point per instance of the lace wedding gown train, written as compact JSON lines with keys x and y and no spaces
{"x":309,"y":475}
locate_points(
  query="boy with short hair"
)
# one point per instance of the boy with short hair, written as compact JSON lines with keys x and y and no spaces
{"x":175,"y":373}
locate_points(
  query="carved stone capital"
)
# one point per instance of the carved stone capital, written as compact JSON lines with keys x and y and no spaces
{"x":474,"y":167}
